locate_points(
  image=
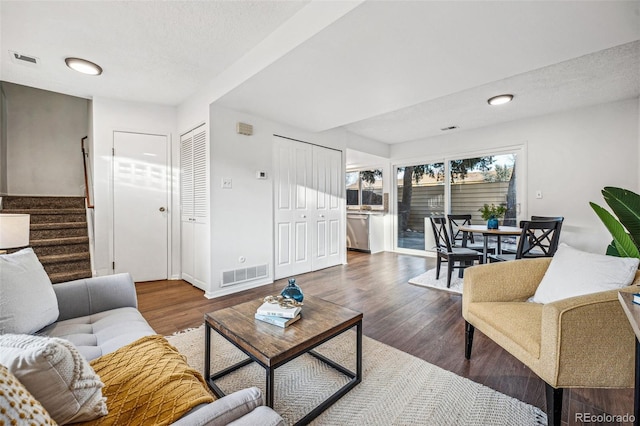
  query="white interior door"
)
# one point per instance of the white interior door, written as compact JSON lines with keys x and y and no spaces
{"x":327,"y":183}
{"x":140,"y":205}
{"x":309,"y":207}
{"x":292,"y":178}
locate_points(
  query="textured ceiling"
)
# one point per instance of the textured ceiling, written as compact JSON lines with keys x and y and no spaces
{"x":151,"y":51}
{"x":604,"y":76}
{"x":392,"y":71}
{"x":388,"y":60}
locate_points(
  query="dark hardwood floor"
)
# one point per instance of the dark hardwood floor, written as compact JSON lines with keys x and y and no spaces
{"x":423,"y":322}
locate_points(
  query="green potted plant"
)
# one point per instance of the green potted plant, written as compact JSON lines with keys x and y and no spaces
{"x":491,"y":213}
{"x":625,"y":229}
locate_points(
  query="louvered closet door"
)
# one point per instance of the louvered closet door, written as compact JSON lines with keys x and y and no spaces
{"x":186,"y":176}
{"x":194,"y":203}
{"x":200,"y":199}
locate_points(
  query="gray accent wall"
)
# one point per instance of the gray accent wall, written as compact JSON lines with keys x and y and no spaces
{"x":43,"y":134}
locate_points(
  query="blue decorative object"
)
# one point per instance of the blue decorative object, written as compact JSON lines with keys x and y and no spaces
{"x":292,"y":291}
{"x":492,"y":223}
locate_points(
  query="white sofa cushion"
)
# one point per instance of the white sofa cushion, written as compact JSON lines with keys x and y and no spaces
{"x":17,"y":404}
{"x":574,"y":273}
{"x":56,"y":375}
{"x":27,"y":300}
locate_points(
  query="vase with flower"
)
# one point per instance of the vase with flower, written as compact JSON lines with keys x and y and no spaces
{"x":492,"y":214}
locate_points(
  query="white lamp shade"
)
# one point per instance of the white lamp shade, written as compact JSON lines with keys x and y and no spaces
{"x":14,"y":230}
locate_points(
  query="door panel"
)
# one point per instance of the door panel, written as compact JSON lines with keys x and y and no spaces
{"x":308,"y":186}
{"x":328,"y":179}
{"x":140,"y":205}
{"x":292,"y":165}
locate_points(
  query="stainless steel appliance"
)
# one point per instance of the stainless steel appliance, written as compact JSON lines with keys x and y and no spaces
{"x":358,"y":232}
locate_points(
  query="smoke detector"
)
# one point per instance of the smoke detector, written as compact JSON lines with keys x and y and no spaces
{"x":20,"y":59}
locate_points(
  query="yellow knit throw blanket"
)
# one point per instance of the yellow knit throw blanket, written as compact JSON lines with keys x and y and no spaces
{"x":148,"y":382}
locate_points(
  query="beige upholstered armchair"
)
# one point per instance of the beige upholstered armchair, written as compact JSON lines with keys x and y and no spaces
{"x":579,"y":342}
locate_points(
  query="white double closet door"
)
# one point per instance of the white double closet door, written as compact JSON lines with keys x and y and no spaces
{"x":309,"y":207}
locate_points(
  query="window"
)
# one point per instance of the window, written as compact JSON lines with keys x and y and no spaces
{"x":364,"y":187}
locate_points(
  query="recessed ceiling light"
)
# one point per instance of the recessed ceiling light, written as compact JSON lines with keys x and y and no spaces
{"x":83,"y":66}
{"x":500,"y":99}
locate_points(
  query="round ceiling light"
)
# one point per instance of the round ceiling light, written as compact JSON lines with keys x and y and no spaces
{"x":83,"y":66}
{"x":500,"y":99}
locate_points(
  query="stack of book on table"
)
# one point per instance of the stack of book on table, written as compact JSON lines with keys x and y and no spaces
{"x":275,"y":314}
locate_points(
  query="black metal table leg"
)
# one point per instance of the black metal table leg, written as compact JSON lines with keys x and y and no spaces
{"x":207,"y":351}
{"x":269,"y":387}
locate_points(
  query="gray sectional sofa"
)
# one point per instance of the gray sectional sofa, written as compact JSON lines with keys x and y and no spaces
{"x":99,"y":315}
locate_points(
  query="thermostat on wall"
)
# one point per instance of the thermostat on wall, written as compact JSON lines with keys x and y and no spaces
{"x":261,"y":175}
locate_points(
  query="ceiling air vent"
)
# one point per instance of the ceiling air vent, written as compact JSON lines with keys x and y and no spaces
{"x":21,"y":59}
{"x":446,"y":129}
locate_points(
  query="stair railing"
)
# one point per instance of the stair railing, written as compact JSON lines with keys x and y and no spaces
{"x":86,"y":174}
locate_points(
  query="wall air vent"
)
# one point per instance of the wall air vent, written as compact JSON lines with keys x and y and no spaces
{"x":237,"y":276}
{"x":18,"y":58}
{"x":446,"y":129}
{"x":244,"y":129}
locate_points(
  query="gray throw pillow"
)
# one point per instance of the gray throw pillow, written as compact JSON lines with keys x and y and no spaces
{"x":27,"y":300}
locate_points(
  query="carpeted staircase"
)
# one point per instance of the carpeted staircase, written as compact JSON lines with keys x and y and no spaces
{"x":59,"y":234}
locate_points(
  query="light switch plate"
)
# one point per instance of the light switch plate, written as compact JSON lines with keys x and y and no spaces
{"x":227,"y":183}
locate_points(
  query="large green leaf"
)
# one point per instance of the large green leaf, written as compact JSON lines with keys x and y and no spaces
{"x":622,"y":241}
{"x":626,"y":205}
{"x":612,"y":250}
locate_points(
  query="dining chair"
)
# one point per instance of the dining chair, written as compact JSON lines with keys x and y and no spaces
{"x":455,"y":221}
{"x":537,"y":239}
{"x":464,"y":257}
{"x":512,"y":250}
{"x":559,"y":219}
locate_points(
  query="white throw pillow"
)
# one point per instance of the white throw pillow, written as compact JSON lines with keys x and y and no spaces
{"x":27,"y":300}
{"x":17,"y":405}
{"x":574,"y":273}
{"x":56,"y":375}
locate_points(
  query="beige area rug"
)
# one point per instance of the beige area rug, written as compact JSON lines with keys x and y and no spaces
{"x":396,"y":389}
{"x":428,"y":279}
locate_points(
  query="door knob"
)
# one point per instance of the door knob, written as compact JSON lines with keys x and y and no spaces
{"x":321,"y":215}
{"x":303,"y":216}
{"x":162,"y":209}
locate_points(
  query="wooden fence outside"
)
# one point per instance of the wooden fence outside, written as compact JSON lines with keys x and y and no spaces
{"x":466,"y":198}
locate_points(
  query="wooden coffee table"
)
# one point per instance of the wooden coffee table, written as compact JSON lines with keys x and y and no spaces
{"x":271,"y":346}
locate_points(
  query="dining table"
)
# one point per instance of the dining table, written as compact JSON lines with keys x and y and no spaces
{"x":500,"y":232}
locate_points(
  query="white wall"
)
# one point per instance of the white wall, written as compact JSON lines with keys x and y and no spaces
{"x":3,"y":143}
{"x":571,"y":156}
{"x":242,"y":217}
{"x":109,"y":116}
{"x":43,"y":136}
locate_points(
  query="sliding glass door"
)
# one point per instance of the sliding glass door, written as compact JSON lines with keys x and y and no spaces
{"x":472,"y":181}
{"x":420,"y":194}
